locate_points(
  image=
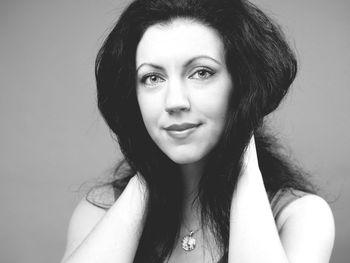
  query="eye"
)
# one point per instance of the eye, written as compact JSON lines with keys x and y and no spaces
{"x":151,"y":79}
{"x":202,"y":73}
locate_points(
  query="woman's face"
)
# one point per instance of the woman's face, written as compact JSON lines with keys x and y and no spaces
{"x":183,"y":88}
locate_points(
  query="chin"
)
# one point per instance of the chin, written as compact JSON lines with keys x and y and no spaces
{"x":185,"y":158}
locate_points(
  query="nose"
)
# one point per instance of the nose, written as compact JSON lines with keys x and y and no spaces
{"x":176,"y":98}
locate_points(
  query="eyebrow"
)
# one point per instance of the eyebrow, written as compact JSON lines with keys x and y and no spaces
{"x":185,"y":65}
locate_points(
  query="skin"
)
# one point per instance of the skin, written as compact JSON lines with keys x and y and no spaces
{"x":304,"y":231}
{"x":189,"y":84}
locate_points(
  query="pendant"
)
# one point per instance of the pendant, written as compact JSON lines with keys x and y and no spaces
{"x":188,"y":242}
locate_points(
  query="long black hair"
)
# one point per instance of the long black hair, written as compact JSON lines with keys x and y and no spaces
{"x":262,"y":67}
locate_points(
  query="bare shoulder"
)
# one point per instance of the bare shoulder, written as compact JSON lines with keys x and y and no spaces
{"x":88,"y":213}
{"x":308,"y":229}
{"x":307,"y":204}
{"x":84,"y":218}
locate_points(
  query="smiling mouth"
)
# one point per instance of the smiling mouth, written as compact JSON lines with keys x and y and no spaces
{"x":181,"y":131}
{"x":182,"y":127}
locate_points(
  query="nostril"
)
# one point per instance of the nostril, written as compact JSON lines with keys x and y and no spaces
{"x":176,"y":96}
{"x":177,"y":109}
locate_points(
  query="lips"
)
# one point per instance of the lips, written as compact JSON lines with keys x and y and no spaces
{"x":183,"y":131}
{"x":182,"y":126}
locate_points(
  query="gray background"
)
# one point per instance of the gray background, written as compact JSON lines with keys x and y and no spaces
{"x":54,"y":144}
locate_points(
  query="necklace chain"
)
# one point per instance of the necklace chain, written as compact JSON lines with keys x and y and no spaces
{"x":188,"y":242}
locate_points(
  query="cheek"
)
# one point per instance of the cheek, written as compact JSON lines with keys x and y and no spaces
{"x":214,"y":103}
{"x":149,"y":108}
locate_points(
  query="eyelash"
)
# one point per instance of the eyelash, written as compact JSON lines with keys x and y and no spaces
{"x":148,"y":76}
{"x":209,"y":73}
{"x":206,"y":70}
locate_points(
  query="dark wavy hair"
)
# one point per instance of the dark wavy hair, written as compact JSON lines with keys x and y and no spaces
{"x":262,"y":67}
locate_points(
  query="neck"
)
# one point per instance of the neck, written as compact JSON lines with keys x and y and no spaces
{"x":191,"y":175}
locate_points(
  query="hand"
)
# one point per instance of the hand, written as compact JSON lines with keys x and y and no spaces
{"x":137,"y":183}
{"x":250,"y":164}
{"x":250,"y":181}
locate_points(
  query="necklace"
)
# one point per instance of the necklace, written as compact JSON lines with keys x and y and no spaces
{"x":188,"y":242}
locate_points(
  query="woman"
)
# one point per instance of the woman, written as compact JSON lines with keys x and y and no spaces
{"x":185,"y":86}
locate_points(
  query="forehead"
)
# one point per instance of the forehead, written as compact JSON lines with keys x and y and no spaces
{"x":179,"y":40}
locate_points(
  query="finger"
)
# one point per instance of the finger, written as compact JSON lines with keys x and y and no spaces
{"x":250,"y":161}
